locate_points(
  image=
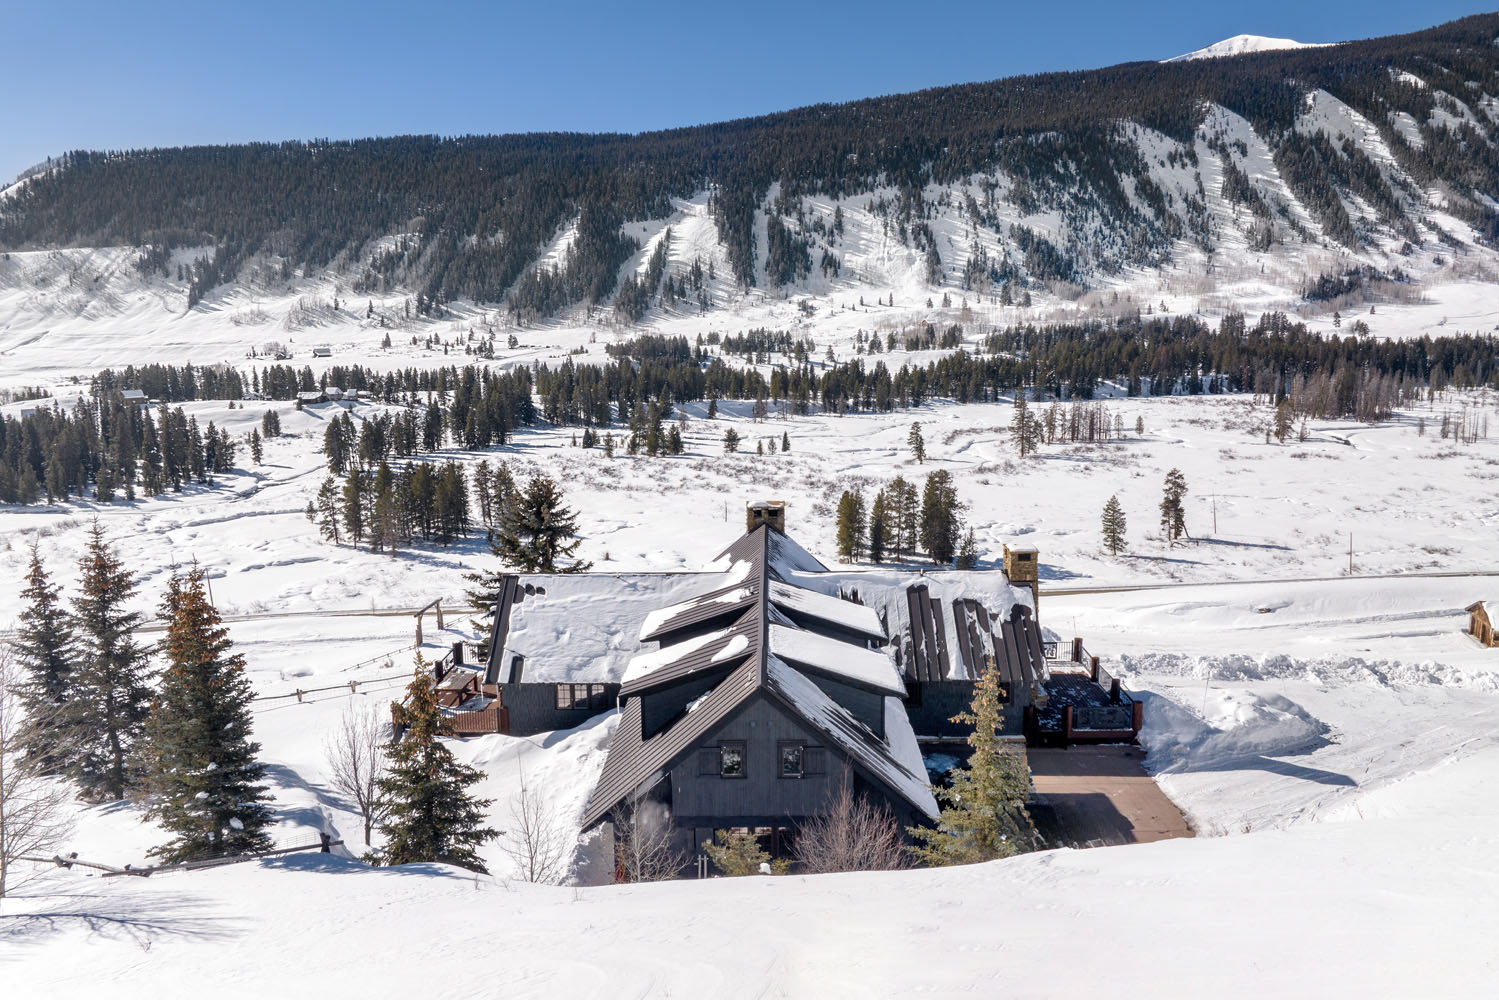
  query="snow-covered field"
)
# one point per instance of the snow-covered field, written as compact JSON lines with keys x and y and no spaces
{"x":1331,"y":735}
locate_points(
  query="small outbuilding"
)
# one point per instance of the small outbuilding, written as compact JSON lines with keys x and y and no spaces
{"x":322,"y":352}
{"x":1480,"y":624}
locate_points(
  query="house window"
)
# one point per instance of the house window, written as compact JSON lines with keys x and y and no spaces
{"x":584,"y":697}
{"x":792,"y":759}
{"x":731,"y":760}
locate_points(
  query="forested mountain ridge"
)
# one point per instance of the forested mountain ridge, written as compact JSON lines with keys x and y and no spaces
{"x":1373,"y":147}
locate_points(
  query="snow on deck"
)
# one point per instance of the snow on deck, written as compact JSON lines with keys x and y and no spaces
{"x":859,"y":665}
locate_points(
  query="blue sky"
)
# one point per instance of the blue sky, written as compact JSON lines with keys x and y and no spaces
{"x":110,"y":75}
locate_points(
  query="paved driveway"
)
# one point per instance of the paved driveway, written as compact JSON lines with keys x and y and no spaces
{"x":1093,"y":796}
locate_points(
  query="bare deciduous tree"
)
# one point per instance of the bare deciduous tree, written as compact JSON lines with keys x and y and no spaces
{"x":535,"y":841}
{"x":851,"y":835}
{"x":33,"y":806}
{"x":356,"y":761}
{"x":645,"y":848}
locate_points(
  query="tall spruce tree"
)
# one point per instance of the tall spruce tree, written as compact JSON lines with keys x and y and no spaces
{"x":431,"y":816}
{"x":916,"y":442}
{"x":941,"y":517}
{"x":538,"y":530}
{"x":983,"y":812}
{"x":850,"y":525}
{"x":111,"y":697}
{"x":1114,"y":525}
{"x":201,"y":768}
{"x":879,"y":527}
{"x":45,"y":649}
{"x":1173,"y":512}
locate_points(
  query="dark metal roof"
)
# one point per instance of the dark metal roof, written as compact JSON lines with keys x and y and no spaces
{"x":636,"y":761}
{"x":718,"y":603}
{"x":701,"y":656}
{"x":633,"y":760}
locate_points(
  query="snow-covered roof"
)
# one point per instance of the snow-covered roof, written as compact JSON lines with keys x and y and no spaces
{"x":833,"y":610}
{"x":864,"y":667}
{"x":705,"y":650}
{"x":696,"y":609}
{"x":764,"y":653}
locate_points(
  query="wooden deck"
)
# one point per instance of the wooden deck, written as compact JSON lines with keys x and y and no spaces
{"x":1095,"y":796}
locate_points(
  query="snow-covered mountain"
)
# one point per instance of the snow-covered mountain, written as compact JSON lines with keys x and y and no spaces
{"x":1240,"y":45}
{"x":1234,"y":177}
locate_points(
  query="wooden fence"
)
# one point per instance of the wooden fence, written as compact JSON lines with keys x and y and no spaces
{"x":323,"y":844}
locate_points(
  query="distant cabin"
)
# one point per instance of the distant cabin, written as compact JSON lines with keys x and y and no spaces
{"x":1480,"y":625}
{"x":322,"y":352}
{"x":135,"y":396}
{"x":333,"y":393}
{"x":312,"y":396}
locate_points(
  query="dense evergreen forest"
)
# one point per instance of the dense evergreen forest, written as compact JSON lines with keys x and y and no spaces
{"x":111,"y":447}
{"x":466,"y":216}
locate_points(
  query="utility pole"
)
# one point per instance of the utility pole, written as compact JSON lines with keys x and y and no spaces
{"x":1350,"y":553}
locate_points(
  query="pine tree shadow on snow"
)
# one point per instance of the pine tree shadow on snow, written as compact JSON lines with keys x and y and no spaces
{"x":141,"y":917}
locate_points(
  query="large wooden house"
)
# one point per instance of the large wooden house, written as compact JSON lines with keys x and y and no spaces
{"x":760,"y":700}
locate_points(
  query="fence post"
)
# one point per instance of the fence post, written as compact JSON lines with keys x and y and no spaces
{"x":1093,"y":667}
{"x":1137,"y":717}
{"x":326,"y":840}
{"x":1066,"y":724}
{"x":439,"y":615}
{"x":1077,"y":649}
{"x":1114,"y":692}
{"x":299,"y":696}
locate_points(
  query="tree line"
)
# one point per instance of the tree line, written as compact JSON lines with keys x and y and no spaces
{"x":485,"y":206}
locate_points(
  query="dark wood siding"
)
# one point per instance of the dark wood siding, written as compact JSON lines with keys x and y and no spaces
{"x":705,"y":799}
{"x":533,"y":708}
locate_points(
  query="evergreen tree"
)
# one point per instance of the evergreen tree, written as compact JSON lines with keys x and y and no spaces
{"x":1023,"y":428}
{"x":968,"y":553}
{"x":538,"y":530}
{"x":941,"y":517}
{"x":879,"y":527}
{"x":257,"y":450}
{"x":737,"y":853}
{"x":785,"y":442}
{"x":270,"y":424}
{"x":730,"y":441}
{"x":1283,"y":420}
{"x":46,"y":650}
{"x":110,"y":697}
{"x":327,"y":510}
{"x":916,"y":442}
{"x":201,"y":766}
{"x":850,"y":525}
{"x":1173,"y":514}
{"x":431,"y":816}
{"x":356,"y":504}
{"x":983,"y":812}
{"x":1114,"y":524}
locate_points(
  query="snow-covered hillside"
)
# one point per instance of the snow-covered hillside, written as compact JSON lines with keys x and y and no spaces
{"x":1240,"y":45}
